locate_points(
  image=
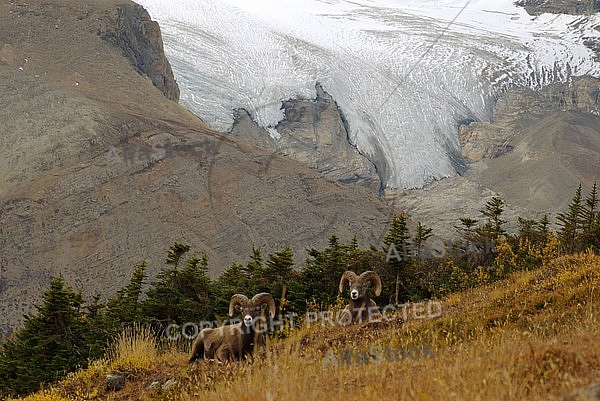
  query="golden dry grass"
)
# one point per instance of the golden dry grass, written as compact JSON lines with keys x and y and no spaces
{"x":534,"y":336}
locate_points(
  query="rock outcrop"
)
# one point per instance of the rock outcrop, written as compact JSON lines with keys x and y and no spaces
{"x":130,"y":28}
{"x":518,"y":108}
{"x":536,"y":7}
{"x":314,"y":132}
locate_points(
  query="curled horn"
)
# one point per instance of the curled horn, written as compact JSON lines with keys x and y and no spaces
{"x":237,"y":299}
{"x":267,"y":299}
{"x":347,"y":276}
{"x":374,"y":279}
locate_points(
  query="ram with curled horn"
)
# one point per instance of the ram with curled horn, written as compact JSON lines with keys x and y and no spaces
{"x":361,"y":307}
{"x":235,"y":341}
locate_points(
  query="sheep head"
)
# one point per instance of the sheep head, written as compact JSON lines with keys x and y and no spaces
{"x":360,"y":284}
{"x":250,"y":308}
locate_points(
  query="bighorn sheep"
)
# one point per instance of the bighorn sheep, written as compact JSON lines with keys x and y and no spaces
{"x":234,"y":341}
{"x":361,"y":306}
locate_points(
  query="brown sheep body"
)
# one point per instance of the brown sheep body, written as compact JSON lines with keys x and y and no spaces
{"x":235,"y":341}
{"x":360,"y":307}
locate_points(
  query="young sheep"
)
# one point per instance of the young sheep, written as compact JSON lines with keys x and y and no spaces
{"x":235,"y":341}
{"x":361,"y":307}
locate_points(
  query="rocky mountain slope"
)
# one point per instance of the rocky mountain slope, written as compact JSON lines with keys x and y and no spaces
{"x":102,"y":168}
{"x":535,"y":152}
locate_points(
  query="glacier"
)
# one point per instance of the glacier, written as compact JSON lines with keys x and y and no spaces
{"x":404,"y":76}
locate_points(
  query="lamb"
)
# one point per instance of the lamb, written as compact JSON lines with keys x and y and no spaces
{"x":361,"y":306}
{"x":235,"y":341}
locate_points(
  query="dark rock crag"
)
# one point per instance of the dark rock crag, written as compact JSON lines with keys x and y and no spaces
{"x":130,"y":28}
{"x":314,"y":132}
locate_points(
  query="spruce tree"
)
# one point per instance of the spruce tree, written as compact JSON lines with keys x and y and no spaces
{"x":279,"y":271}
{"x":398,"y":249}
{"x":51,"y":343}
{"x":320,"y":276}
{"x":570,"y":223}
{"x":468,"y":229}
{"x":193,"y":285}
{"x":175,"y":252}
{"x":422,"y":234}
{"x":180,"y":296}
{"x":163,"y":296}
{"x":231,"y":281}
{"x":544,"y":230}
{"x":126,"y":307}
{"x":254,"y":271}
{"x":493,"y":211}
{"x":589,"y":216}
{"x":527,"y":229}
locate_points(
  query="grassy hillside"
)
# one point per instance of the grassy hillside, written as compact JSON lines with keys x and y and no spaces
{"x":533,"y":336}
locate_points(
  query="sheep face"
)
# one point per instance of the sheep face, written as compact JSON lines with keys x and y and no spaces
{"x":250,"y":308}
{"x":360,"y":284}
{"x":249,"y":312}
{"x":358,"y":290}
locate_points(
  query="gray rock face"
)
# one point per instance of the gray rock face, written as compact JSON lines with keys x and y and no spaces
{"x":130,"y":28}
{"x":314,"y":132}
{"x":483,"y":140}
{"x":536,"y":7}
{"x":518,"y":108}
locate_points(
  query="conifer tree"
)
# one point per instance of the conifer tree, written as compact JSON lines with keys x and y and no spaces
{"x":527,"y":229}
{"x":544,"y":230}
{"x":398,"y":249}
{"x":254,"y":271}
{"x":493,"y":211}
{"x":162,"y":297}
{"x":180,"y":296}
{"x":468,"y":229}
{"x":320,"y":276}
{"x":126,"y":307}
{"x":422,"y":234}
{"x":231,"y":281}
{"x":279,"y":270}
{"x":590,"y":237}
{"x":354,"y":243}
{"x":570,"y":223}
{"x":51,"y":344}
{"x":194,"y":289}
{"x":175,"y":252}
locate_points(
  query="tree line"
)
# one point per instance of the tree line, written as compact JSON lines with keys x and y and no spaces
{"x":66,"y":331}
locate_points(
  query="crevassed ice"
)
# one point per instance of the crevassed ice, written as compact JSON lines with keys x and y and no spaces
{"x":402,"y":89}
